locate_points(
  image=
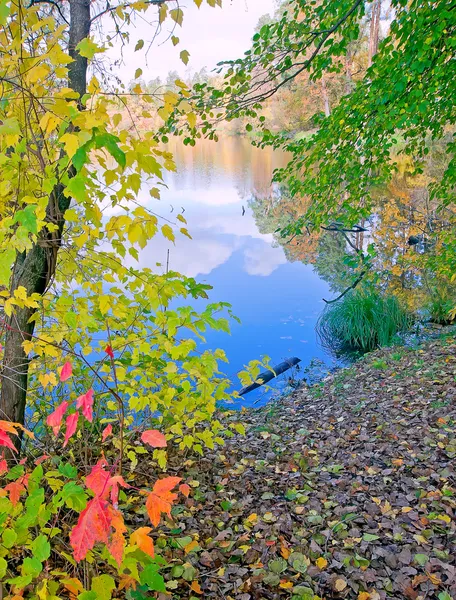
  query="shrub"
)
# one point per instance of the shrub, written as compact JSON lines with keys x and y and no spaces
{"x":362,"y":322}
{"x":440,"y":309}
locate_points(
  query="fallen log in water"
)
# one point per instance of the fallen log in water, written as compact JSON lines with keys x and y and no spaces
{"x":266,"y":376}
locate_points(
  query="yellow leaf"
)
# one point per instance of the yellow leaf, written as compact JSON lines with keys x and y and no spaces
{"x":364,"y":596}
{"x":340,"y":585}
{"x":191,"y":546}
{"x":196,"y":587}
{"x":191,"y":118}
{"x":168,"y":233}
{"x":444,"y":518}
{"x":321,"y":563}
{"x":177,"y":15}
{"x":286,"y":585}
{"x":71,"y":143}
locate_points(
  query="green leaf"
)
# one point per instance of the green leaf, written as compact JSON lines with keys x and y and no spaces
{"x":421,"y":559}
{"x":109,"y":141}
{"x":7,"y":258}
{"x":41,"y":548}
{"x":152,"y":578}
{"x":76,"y":188}
{"x":80,"y":157}
{"x":31,"y":566}
{"x":139,"y":45}
{"x":3,"y":567}
{"x":369,"y":537}
{"x":88,"y":48}
{"x":4,"y":11}
{"x":27,"y":218}
{"x":68,"y":470}
{"x":103,"y":587}
{"x":9,"y":537}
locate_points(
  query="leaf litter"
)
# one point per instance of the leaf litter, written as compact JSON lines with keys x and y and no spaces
{"x":346,"y":489}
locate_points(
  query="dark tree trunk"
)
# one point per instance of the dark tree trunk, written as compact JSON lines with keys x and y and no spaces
{"x":36,"y":268}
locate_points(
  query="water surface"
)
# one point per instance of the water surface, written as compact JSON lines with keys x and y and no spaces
{"x":278,"y":302}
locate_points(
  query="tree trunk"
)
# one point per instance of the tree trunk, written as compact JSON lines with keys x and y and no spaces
{"x":35,"y":269}
{"x":325,"y":96}
{"x":374,"y":30}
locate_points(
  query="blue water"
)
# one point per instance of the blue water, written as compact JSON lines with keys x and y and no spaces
{"x":277,"y":302}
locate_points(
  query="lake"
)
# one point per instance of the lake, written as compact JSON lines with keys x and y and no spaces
{"x":278,"y":302}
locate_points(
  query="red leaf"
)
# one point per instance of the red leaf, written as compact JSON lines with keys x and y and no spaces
{"x":86,"y":401}
{"x":93,"y":526}
{"x":3,"y":466}
{"x":184,"y":489}
{"x":54,"y":420}
{"x":116,"y":544}
{"x":143,"y":541}
{"x":66,"y":372}
{"x":114,"y":483}
{"x":106,"y":431}
{"x":71,"y":426}
{"x":41,"y":459}
{"x":98,"y":479}
{"x":161,"y":498}
{"x":109,"y":351}
{"x":154,"y":438}
{"x":5,"y":440}
{"x":23,"y":461}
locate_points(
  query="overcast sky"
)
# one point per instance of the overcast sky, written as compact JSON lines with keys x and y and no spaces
{"x":209,"y":34}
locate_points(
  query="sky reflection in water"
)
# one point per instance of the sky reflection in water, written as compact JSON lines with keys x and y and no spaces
{"x":278,"y":302}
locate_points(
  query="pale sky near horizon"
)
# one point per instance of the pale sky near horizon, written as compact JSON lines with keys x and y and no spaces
{"x":209,"y":34}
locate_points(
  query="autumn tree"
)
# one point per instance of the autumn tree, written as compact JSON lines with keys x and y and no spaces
{"x":71,"y":226}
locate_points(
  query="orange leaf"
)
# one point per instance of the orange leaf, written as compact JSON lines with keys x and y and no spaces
{"x":116,"y":544}
{"x":184,"y":489}
{"x":196,"y":587}
{"x":154,"y":438}
{"x":15,"y":489}
{"x":141,"y":539}
{"x":66,"y":371}
{"x":93,"y":526}
{"x":54,"y":420}
{"x":3,"y":466}
{"x":161,"y":498}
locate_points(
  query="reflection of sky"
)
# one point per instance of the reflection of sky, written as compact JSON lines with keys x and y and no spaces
{"x":277,"y":302}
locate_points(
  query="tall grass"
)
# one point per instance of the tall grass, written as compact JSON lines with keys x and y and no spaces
{"x":362,"y":322}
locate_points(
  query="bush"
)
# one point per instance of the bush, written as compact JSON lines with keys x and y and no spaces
{"x":440,"y":309}
{"x":362,"y":322}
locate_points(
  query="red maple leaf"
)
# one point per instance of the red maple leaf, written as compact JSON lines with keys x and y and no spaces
{"x":93,"y":526}
{"x":103,"y":484}
{"x":71,"y":426}
{"x":106,"y":432}
{"x":109,"y":351}
{"x":15,"y":488}
{"x":184,"y":488}
{"x":86,"y":401}
{"x":54,"y":420}
{"x":154,"y":438}
{"x":161,"y":498}
{"x":66,"y":371}
{"x":3,"y":466}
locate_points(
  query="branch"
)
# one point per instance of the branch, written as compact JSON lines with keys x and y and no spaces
{"x":52,"y":3}
{"x":352,"y":287}
{"x":110,"y":9}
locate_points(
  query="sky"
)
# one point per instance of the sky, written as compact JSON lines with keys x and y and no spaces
{"x":208,"y":34}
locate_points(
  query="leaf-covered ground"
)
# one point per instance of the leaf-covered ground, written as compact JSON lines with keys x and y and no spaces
{"x":344,"y":490}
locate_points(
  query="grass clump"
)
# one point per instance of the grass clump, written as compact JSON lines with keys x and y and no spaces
{"x":362,"y":322}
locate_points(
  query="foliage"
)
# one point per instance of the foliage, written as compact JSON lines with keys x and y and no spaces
{"x":362,"y":321}
{"x":48,"y":498}
{"x":73,"y":293}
